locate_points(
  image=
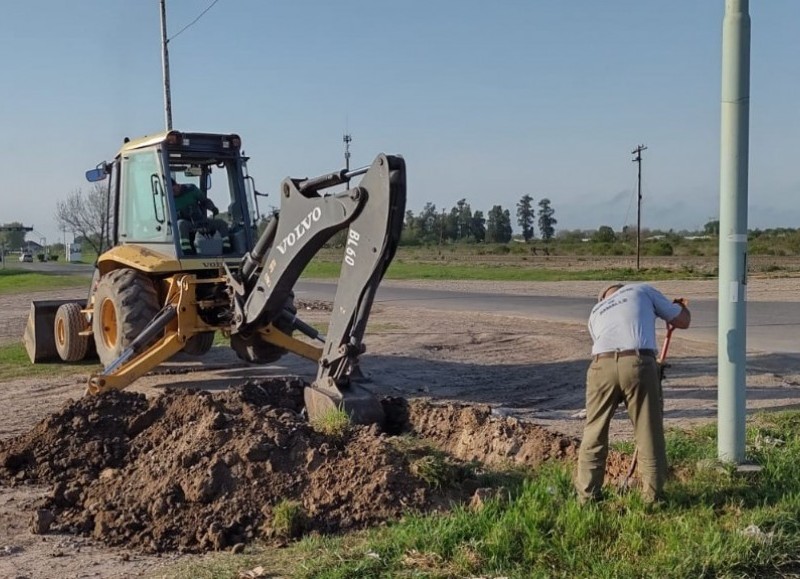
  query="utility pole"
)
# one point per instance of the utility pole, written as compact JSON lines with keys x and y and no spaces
{"x":733,"y":194}
{"x":165,"y":65}
{"x":638,"y":152}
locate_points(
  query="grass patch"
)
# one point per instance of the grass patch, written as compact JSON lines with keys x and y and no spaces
{"x":401,"y":270}
{"x":14,"y":281}
{"x":430,"y":464}
{"x":288,"y":518}
{"x":715,"y":524}
{"x":335,"y":422}
{"x":14,"y":363}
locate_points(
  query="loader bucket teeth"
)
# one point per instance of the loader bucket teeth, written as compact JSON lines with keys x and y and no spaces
{"x":359,"y":403}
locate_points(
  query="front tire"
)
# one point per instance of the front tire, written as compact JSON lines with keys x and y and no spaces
{"x":199,"y":344}
{"x":125,"y":302}
{"x":254,"y":350}
{"x":69,"y":322}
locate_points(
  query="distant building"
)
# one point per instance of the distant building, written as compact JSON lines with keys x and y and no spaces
{"x":32,"y":247}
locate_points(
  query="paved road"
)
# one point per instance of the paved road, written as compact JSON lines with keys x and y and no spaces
{"x":771,"y":326}
{"x":50,"y":267}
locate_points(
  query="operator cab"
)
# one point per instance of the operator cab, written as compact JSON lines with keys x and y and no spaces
{"x":186,"y":195}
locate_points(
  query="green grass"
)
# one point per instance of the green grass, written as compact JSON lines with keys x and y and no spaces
{"x":14,"y":363}
{"x":334,"y":422}
{"x":287,"y":518}
{"x":715,"y":523}
{"x":14,"y":281}
{"x":405,"y":270}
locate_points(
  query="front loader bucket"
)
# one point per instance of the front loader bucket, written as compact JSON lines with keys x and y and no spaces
{"x":361,"y":405}
{"x":39,"y":336}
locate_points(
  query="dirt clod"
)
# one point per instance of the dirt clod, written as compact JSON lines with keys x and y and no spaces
{"x":41,"y":521}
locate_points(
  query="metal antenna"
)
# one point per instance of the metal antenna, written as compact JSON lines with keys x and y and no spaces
{"x":347,"y":139}
{"x":638,"y":152}
{"x":165,"y":65}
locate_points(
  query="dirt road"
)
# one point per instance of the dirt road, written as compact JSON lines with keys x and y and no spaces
{"x":527,"y":369}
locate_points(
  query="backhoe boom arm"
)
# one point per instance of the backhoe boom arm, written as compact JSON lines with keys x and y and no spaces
{"x":373,"y":211}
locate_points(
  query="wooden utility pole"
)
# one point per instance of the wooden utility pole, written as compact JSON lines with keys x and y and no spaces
{"x":638,"y":152}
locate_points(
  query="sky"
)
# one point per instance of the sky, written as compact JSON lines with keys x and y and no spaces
{"x":487,"y":101}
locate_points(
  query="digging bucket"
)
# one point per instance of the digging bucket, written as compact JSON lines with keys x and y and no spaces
{"x":39,"y":336}
{"x":360,"y":404}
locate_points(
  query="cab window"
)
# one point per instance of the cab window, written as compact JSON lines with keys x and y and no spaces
{"x":142,"y":209}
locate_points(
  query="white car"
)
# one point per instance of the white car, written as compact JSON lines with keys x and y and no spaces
{"x":26,"y":257}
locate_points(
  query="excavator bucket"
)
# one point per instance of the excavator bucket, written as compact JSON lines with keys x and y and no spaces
{"x":360,"y":404}
{"x":39,"y":336}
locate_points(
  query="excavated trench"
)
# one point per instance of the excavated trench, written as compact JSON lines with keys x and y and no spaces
{"x":193,"y":471}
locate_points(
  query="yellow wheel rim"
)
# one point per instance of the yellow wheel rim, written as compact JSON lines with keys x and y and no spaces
{"x":108,"y":317}
{"x":61,"y":332}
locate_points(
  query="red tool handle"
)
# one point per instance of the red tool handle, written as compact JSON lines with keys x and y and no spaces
{"x":665,"y":345}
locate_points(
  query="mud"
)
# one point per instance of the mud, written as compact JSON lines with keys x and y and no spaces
{"x":192,"y":471}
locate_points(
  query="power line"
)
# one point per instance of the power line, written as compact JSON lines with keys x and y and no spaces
{"x":193,"y":22}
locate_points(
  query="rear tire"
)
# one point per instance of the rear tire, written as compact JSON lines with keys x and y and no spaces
{"x":124,"y":304}
{"x":199,"y":344}
{"x":69,"y":322}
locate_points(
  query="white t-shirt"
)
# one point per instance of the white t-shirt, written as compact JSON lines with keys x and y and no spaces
{"x":626,"y":320}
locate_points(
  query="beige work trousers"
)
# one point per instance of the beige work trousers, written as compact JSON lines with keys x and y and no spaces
{"x":609,"y":381}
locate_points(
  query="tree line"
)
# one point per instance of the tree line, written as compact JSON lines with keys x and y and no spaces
{"x":463,"y":225}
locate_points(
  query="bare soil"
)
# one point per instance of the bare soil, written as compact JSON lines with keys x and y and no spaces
{"x":197,"y":458}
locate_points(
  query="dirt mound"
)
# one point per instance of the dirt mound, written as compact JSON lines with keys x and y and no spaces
{"x":474,"y":433}
{"x":477,"y":433}
{"x":194,"y":471}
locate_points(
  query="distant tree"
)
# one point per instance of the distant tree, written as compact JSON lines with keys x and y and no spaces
{"x":546,"y":220}
{"x":627,"y":234}
{"x":525,"y":216}
{"x":477,"y":226}
{"x":451,"y":232}
{"x":85,"y":215}
{"x":711,"y":227}
{"x":464,"y":222}
{"x":506,"y":230}
{"x":410,"y":233}
{"x":604,"y":234}
{"x":13,"y":239}
{"x":428,"y":224}
{"x":498,"y":225}
{"x":408,"y":222}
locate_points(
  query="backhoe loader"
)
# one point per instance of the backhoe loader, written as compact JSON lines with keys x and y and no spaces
{"x":173,"y":277}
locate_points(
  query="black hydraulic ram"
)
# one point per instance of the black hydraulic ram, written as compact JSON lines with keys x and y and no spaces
{"x":315,"y":184}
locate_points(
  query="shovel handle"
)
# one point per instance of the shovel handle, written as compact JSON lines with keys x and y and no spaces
{"x":665,"y":345}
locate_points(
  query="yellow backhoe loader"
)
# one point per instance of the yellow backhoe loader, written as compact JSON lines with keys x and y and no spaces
{"x":175,"y":276}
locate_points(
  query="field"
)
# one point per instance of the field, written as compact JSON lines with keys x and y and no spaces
{"x":522,"y":382}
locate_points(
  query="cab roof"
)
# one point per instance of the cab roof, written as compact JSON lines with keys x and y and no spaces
{"x":204,"y":141}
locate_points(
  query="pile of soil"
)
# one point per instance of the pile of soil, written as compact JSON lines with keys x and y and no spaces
{"x":193,"y":471}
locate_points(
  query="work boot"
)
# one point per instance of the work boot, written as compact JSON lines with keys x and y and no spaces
{"x":186,"y":247}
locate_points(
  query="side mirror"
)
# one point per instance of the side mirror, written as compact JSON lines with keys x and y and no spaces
{"x":98,"y":173}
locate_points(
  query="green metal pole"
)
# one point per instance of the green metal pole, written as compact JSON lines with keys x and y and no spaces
{"x":734,"y":143}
